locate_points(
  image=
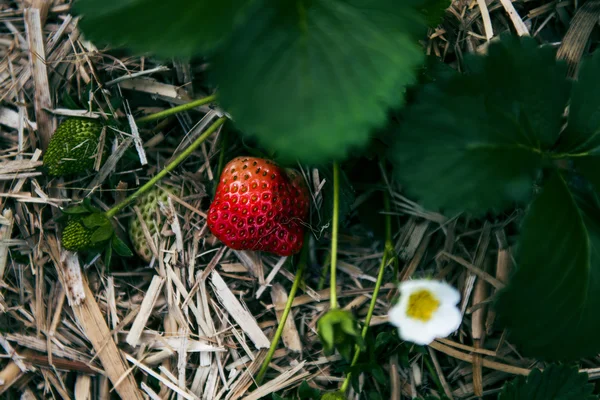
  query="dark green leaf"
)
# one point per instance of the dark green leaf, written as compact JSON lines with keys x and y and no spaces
{"x":378,"y":374}
{"x":75,"y":210}
{"x":94,"y":220}
{"x":551,"y":303}
{"x":305,"y":392}
{"x":120,"y":247}
{"x":556,"y":382}
{"x":434,"y":10}
{"x":589,"y":167}
{"x":453,"y":153}
{"x":524,"y":81}
{"x":318,"y":76}
{"x":474,"y":142}
{"x":102,"y":233}
{"x":275,"y":396}
{"x":583,"y":129}
{"x":174,"y":28}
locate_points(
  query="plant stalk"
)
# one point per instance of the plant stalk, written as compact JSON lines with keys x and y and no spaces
{"x":172,"y":165}
{"x":178,"y":109}
{"x":286,"y":311}
{"x":387,"y":257}
{"x":334,"y":237}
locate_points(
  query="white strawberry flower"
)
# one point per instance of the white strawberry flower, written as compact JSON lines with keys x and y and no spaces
{"x":427,"y":310}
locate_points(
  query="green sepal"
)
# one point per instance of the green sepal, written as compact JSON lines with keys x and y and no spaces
{"x":94,"y":220}
{"x":102,"y":233}
{"x":338,"y":330}
{"x":120,"y":247}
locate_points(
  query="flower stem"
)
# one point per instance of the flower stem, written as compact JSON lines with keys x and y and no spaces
{"x":172,"y":165}
{"x":334,"y":237}
{"x":178,"y":109}
{"x":387,"y":257}
{"x":286,"y":311}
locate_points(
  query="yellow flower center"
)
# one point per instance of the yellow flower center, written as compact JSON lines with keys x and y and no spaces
{"x":421,"y":305}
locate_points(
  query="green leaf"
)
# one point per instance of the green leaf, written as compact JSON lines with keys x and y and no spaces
{"x":556,"y":382}
{"x":120,"y":247}
{"x":551,"y":303}
{"x":305,"y":392}
{"x":174,"y":28}
{"x":583,"y":130}
{"x":102,"y":233}
{"x":434,"y":10}
{"x":94,"y":220}
{"x":475,"y":142}
{"x":311,"y":81}
{"x":454,"y":153}
{"x":526,"y":82}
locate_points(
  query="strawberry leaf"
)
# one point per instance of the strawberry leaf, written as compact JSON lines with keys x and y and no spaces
{"x":311,"y":81}
{"x":475,"y":142}
{"x":551,"y":303}
{"x":558,"y":382}
{"x":174,"y":28}
{"x":583,"y":130}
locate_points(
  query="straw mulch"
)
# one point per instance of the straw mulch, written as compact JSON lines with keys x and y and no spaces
{"x":196,"y":321}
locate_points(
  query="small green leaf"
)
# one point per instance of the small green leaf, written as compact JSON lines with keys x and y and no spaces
{"x":310,"y":81}
{"x":174,"y":28}
{"x":96,"y":219}
{"x":102,"y":233}
{"x":305,"y":392}
{"x":556,"y":382}
{"x":551,"y":303}
{"x":338,"y":330}
{"x":583,"y":129}
{"x":120,"y":247}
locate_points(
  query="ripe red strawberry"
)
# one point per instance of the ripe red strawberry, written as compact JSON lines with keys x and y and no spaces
{"x":259,"y":206}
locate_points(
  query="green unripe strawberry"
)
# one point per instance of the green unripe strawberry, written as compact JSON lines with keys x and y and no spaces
{"x":73,"y":147}
{"x":153,"y":218}
{"x":76,"y":236}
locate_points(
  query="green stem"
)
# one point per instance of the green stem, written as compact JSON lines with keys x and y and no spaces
{"x":387,"y":254}
{"x":334,"y":237}
{"x":178,"y":109}
{"x":286,"y":311}
{"x":172,"y":165}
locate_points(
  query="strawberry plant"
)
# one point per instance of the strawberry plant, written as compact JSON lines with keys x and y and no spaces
{"x":314,"y":83}
{"x":505,"y":140}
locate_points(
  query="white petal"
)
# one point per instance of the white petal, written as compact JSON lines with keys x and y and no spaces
{"x":442,"y":291}
{"x":445,"y":321}
{"x":415,"y":331}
